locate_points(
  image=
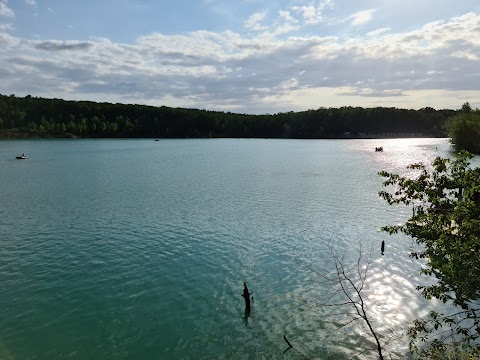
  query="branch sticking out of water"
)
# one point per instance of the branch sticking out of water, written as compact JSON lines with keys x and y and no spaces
{"x":290,"y":346}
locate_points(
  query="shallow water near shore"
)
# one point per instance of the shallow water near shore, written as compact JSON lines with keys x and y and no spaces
{"x":138,"y":249}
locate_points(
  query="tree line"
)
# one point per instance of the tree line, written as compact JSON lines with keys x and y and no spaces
{"x":56,"y":117}
{"x":464,"y":129}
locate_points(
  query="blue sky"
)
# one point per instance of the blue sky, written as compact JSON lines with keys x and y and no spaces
{"x":247,"y":56}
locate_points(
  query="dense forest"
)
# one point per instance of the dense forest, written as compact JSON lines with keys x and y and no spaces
{"x":39,"y":117}
{"x":464,"y":129}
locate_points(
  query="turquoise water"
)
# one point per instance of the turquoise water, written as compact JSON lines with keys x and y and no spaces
{"x":138,"y":249}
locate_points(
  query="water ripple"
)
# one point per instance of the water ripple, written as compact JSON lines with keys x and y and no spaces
{"x":139,"y":249}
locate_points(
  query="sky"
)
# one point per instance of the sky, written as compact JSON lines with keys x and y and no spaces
{"x":244,"y":56}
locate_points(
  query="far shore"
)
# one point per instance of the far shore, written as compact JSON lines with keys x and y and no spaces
{"x":12,"y":135}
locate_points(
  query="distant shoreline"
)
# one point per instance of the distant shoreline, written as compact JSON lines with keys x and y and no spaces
{"x":15,"y":135}
{"x":12,"y":135}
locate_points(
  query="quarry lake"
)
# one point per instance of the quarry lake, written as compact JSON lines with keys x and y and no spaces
{"x":138,"y":249}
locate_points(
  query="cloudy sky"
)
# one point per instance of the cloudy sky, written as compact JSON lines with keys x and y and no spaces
{"x":247,"y":56}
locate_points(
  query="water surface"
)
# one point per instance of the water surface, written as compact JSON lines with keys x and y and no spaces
{"x":137,"y":249}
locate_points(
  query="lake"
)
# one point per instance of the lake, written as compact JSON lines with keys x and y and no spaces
{"x":138,"y":249}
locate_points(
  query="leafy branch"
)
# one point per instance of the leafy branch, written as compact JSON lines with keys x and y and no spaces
{"x":445,"y":223}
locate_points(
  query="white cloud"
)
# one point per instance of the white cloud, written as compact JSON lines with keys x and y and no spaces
{"x":286,"y":16}
{"x":361,"y":17}
{"x":288,"y":20}
{"x":309,"y":14}
{"x":254,"y":21}
{"x":7,"y":40}
{"x":263,"y":73}
{"x":5,"y":11}
{"x":312,"y":13}
{"x":6,"y":27}
{"x":378,"y":32}
{"x":467,"y":55}
{"x":290,"y":84}
{"x":284,"y":29}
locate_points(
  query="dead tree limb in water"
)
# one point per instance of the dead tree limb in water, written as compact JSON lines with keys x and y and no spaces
{"x":288,"y":342}
{"x":290,"y":346}
{"x":347,"y":282}
{"x":356,"y":299}
{"x":246,"y":296}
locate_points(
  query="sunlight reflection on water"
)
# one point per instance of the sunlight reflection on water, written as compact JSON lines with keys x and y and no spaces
{"x":390,"y":294}
{"x":139,"y":249}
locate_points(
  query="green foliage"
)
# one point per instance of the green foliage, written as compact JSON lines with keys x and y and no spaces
{"x":47,"y":117}
{"x":446,"y":223}
{"x":449,"y":351}
{"x":464,"y":129}
{"x":466,"y":107}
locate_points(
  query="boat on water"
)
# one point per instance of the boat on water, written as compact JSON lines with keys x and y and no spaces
{"x":22,"y":157}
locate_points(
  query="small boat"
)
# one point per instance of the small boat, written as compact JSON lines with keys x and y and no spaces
{"x":22,"y":157}
{"x":379,"y":148}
